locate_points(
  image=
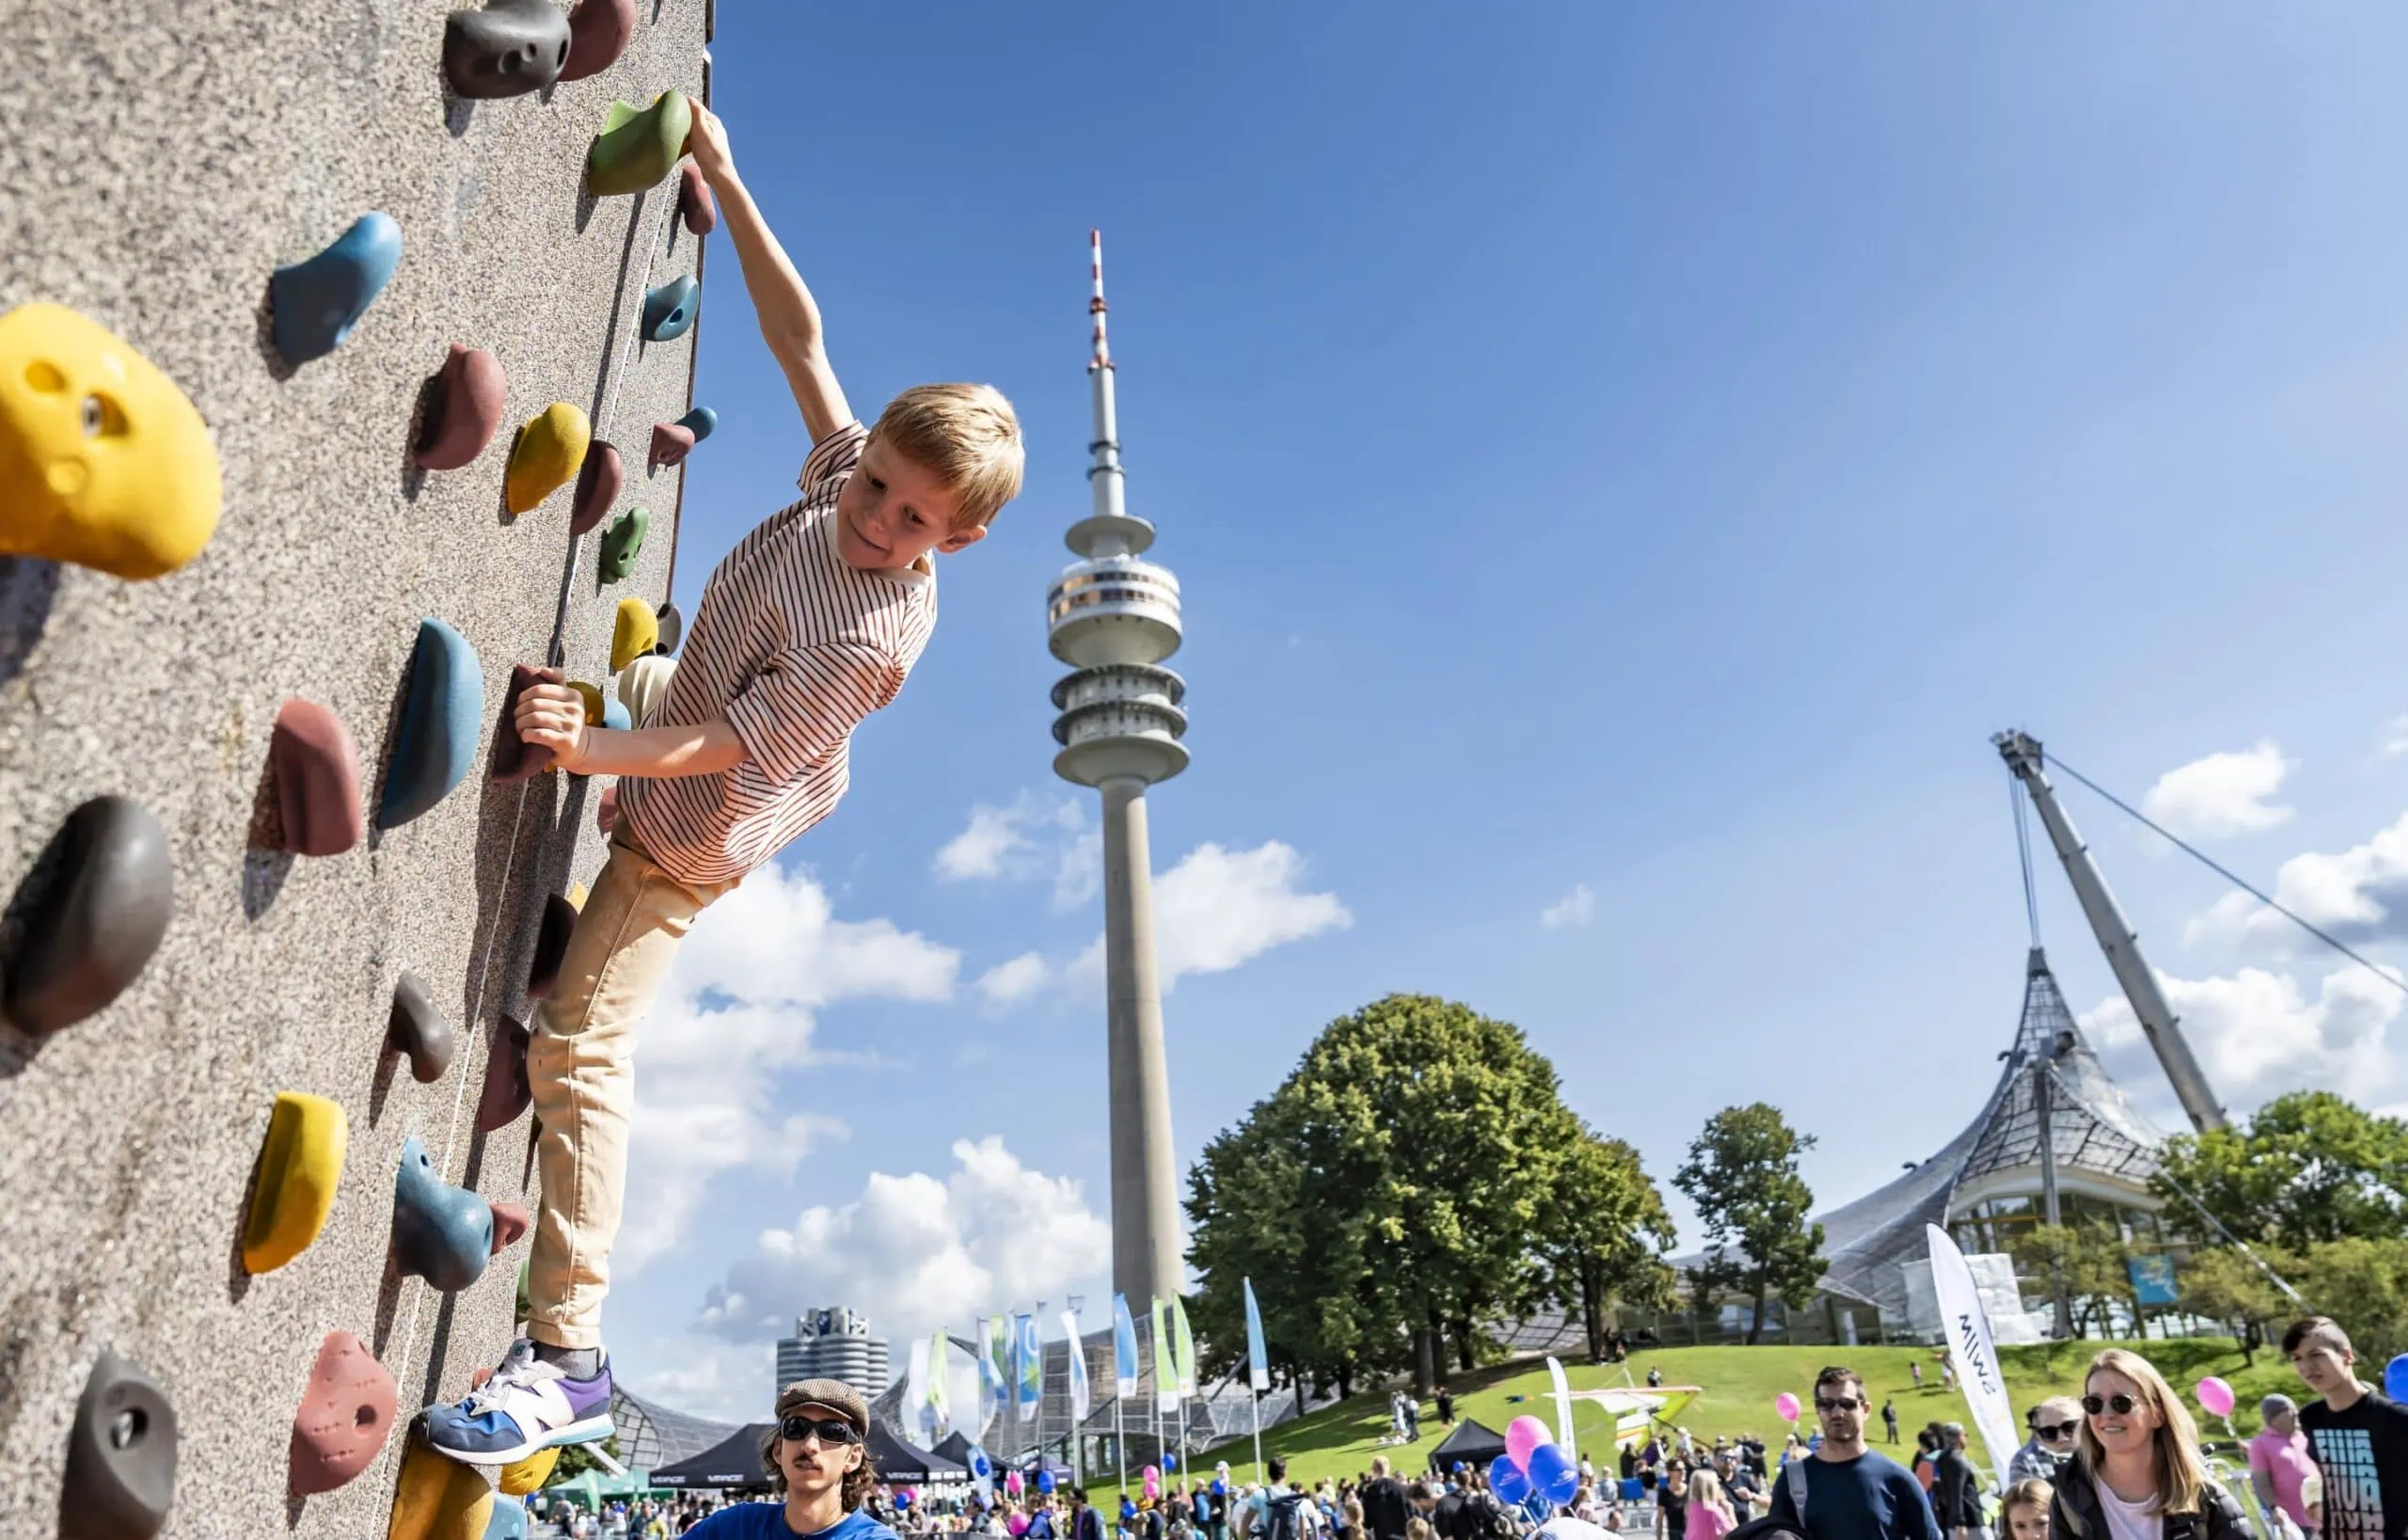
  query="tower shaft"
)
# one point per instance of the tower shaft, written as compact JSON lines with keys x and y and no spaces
{"x":1144,"y":1179}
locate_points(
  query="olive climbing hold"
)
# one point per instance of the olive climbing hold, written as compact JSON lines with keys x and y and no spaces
{"x":120,"y":1456}
{"x":293,"y":1190}
{"x":317,"y":302}
{"x":464,"y":411}
{"x":591,"y":695}
{"x":510,"y":1221}
{"x":672,"y":630}
{"x":671,"y":443}
{"x":316,"y":767}
{"x":634,"y":634}
{"x":508,"y":49}
{"x":417,"y":1032}
{"x":549,"y":450}
{"x":529,"y":1474}
{"x":441,"y":1233}
{"x":701,"y":422}
{"x":623,"y":543}
{"x":440,"y":1499}
{"x":345,"y":1417}
{"x":637,"y":148}
{"x":598,"y":481}
{"x":104,"y":913}
{"x":440,"y":719}
{"x":599,"y":31}
{"x":551,"y":946}
{"x":668,"y":311}
{"x":513,"y":757}
{"x":695,"y":204}
{"x":103,"y":462}
{"x":506,"y":1093}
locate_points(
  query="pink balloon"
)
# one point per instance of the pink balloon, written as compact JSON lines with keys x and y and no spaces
{"x":2217,"y":1396}
{"x":1018,"y":1523}
{"x":1151,"y":1473}
{"x":1523,"y":1434}
{"x":1011,"y":1482}
{"x":1785,"y":1406}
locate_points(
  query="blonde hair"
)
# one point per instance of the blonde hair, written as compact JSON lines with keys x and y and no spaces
{"x":2174,"y":1441}
{"x":2029,"y":1493}
{"x":968,"y":435}
{"x":1417,"y":1528}
{"x":1707,"y":1487}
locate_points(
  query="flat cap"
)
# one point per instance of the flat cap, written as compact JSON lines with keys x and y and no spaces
{"x":835,"y":1394}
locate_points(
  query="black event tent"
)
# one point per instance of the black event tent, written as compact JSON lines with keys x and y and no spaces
{"x":898,"y":1461}
{"x":954,"y":1446}
{"x":733,"y":1461}
{"x":1474,"y":1443}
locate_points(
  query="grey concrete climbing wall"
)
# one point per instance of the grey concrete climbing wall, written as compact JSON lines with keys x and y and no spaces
{"x":157,"y":161}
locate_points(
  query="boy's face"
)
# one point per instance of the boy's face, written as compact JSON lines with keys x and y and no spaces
{"x":2322,"y":1367}
{"x":894,"y":511}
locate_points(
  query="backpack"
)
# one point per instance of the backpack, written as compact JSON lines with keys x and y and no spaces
{"x":1489,"y":1520}
{"x":1772,"y":1525}
{"x":1279,"y":1517}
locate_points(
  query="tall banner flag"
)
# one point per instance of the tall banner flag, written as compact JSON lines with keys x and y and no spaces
{"x":990,"y":1374}
{"x":939,"y":1392}
{"x":1966,"y":1328}
{"x":1563,"y":1411}
{"x":1030,"y":1359}
{"x":916,"y":1394}
{"x":1165,"y":1362}
{"x":1124,"y":1348}
{"x":1078,"y":1369}
{"x":1185,"y":1339}
{"x":1258,"y":1364}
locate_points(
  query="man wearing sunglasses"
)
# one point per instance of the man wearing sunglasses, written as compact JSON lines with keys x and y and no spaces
{"x":2053,"y":1424}
{"x":1845,"y":1490}
{"x":817,"y":1458}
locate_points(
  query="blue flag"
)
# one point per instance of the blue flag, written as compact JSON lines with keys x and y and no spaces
{"x":1028,"y":1356}
{"x":1258,"y":1367}
{"x":1124,"y":1347}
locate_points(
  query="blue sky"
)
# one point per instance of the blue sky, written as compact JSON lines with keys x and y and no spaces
{"x":1621,"y":463}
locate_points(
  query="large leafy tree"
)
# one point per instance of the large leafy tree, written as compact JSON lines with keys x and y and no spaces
{"x":1742,"y":1175}
{"x":2310,"y":1167}
{"x":1605,"y":1235}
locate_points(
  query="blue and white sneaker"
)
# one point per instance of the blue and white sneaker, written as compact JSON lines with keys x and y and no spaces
{"x":527,"y":1406}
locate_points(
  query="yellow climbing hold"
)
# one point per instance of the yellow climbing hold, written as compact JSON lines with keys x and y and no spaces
{"x":530,"y":1474}
{"x":592,"y":696}
{"x":577,"y":897}
{"x":300,"y":1166}
{"x":103,"y":462}
{"x":440,"y":1499}
{"x":544,"y":459}
{"x":636,"y":632}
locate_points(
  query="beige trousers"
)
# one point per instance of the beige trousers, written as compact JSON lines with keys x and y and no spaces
{"x":580,"y":1066}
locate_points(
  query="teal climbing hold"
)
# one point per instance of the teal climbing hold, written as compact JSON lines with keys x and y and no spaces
{"x":317,"y":302}
{"x":622,"y":543}
{"x":441,"y":719}
{"x":615,"y":715}
{"x":701,"y":422}
{"x":441,"y":1233}
{"x":668,"y":311}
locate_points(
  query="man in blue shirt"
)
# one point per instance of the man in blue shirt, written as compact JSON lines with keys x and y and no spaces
{"x":818,"y":1457}
{"x":1845,"y":1490}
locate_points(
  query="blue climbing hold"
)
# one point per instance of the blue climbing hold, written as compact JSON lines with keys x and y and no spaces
{"x":441,"y":719}
{"x":668,"y":311}
{"x":441,"y":1233}
{"x":701,"y":423}
{"x":317,"y":302}
{"x":614,"y":715}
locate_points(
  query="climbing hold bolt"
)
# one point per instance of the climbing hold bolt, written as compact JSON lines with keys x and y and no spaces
{"x":417,"y":1032}
{"x":623,"y":543}
{"x":701,"y":422}
{"x":668,"y":311}
{"x":464,"y":411}
{"x":441,"y":1233}
{"x":439,"y":1498}
{"x":695,"y":204}
{"x":120,"y":1456}
{"x":293,"y":1190}
{"x":549,"y":450}
{"x":672,"y":630}
{"x":103,"y":462}
{"x":599,"y":31}
{"x":317,"y":780}
{"x":551,"y":946}
{"x":637,"y":148}
{"x":440,"y":719}
{"x":671,"y":443}
{"x":93,"y":931}
{"x":598,"y":481}
{"x":529,"y":1474}
{"x":317,"y":302}
{"x":345,"y":1417}
{"x":506,"y":1093}
{"x":510,"y":1221}
{"x":513,"y":757}
{"x":635,"y":633}
{"x":508,"y":49}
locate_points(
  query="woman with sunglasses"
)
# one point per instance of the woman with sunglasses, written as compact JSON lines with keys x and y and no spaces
{"x":2136,"y":1473}
{"x":817,"y":1458}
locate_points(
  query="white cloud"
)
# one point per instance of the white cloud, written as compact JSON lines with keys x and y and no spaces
{"x":2223,"y":794}
{"x":919,"y":1252}
{"x":1035,"y":838}
{"x":1573,"y":907}
{"x":1218,"y":909}
{"x":980,"y":850}
{"x":2394,"y":737}
{"x":2256,"y":1035}
{"x":1078,"y":872}
{"x":709,"y":1377}
{"x":736,"y":1014}
{"x":1017,"y":979}
{"x":2359,"y":895}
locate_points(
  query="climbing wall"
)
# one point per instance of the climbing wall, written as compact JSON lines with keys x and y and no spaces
{"x":159,"y":162}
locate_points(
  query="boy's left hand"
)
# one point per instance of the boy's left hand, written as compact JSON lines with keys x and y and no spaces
{"x":551,"y":715}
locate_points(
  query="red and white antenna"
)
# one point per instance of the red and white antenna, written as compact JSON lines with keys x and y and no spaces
{"x":1095,"y":307}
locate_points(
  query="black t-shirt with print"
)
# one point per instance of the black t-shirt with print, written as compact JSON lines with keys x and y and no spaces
{"x":2362,"y":1454}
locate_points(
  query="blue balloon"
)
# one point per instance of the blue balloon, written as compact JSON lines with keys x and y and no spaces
{"x":2394,"y":1378}
{"x":1553,"y":1476}
{"x":1512,"y":1487}
{"x":1127,"y":1509}
{"x":903,"y":1499}
{"x":1221,"y":1488}
{"x":1045,"y":1480}
{"x":1170,"y":1462}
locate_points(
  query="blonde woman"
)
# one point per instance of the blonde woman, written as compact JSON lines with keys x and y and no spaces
{"x":2136,"y":1473}
{"x":1710,"y":1517}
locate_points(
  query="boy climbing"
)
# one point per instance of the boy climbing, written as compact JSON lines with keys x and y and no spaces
{"x":809,"y":624}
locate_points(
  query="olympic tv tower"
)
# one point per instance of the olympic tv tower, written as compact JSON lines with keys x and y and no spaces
{"x":1114,"y":617}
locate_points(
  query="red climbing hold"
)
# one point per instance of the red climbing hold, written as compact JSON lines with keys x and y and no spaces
{"x":599,"y":31}
{"x":506,"y":1093}
{"x":694,"y":202}
{"x":597,"y":486}
{"x":316,"y":767}
{"x":345,"y":1415}
{"x":513,"y":758}
{"x":510,"y":1221}
{"x":551,"y":946}
{"x":671,"y":443}
{"x":464,"y":411}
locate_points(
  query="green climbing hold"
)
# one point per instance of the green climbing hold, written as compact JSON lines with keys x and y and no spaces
{"x":637,"y":148}
{"x":622,"y":543}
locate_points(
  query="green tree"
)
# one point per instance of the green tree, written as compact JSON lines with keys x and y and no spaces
{"x":1605,"y":1239}
{"x":1742,"y":1175}
{"x":2310,"y":1166}
{"x":2224,"y":1285}
{"x":2362,"y":1283}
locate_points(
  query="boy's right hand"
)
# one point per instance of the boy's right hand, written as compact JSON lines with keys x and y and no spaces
{"x":553,"y":716}
{"x":707,"y":143}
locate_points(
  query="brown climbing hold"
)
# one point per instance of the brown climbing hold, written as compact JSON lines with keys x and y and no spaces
{"x":316,"y":767}
{"x":694,"y":202}
{"x":551,"y":946}
{"x":671,"y":443}
{"x":94,"y":924}
{"x":345,"y":1415}
{"x":599,"y":31}
{"x":606,"y":810}
{"x":510,"y":1221}
{"x":513,"y":758}
{"x":597,"y":486}
{"x":464,"y":412}
{"x":506,"y":1093}
{"x":417,"y":1031}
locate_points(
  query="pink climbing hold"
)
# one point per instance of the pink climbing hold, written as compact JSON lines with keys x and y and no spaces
{"x":510,"y":1221}
{"x":345,"y":1417}
{"x":316,"y":767}
{"x":506,"y":1093}
{"x":513,"y":757}
{"x":606,"y":811}
{"x":598,"y":481}
{"x":671,"y":443}
{"x":695,"y":204}
{"x":464,"y":411}
{"x":599,"y":31}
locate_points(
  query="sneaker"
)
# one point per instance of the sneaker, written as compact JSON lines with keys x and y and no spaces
{"x":527,"y":1406}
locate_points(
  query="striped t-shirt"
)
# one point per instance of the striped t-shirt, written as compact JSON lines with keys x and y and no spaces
{"x":794,"y":645}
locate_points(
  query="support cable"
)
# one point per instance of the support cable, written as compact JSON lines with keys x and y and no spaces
{"x":2023,"y":854}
